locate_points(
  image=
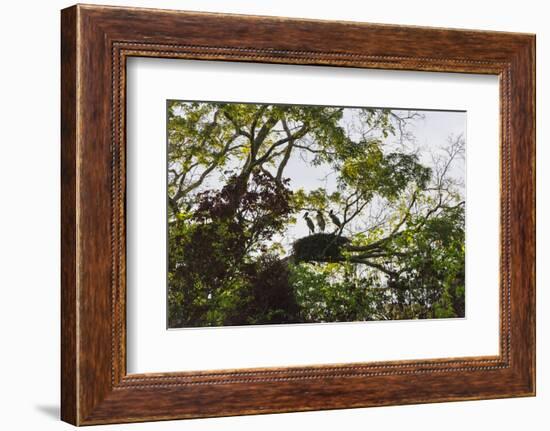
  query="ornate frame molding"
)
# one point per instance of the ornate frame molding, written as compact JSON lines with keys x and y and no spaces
{"x":96,"y":41}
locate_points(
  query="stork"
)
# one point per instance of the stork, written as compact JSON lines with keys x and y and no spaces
{"x":309,"y":222}
{"x":335,"y":219}
{"x":320,"y":221}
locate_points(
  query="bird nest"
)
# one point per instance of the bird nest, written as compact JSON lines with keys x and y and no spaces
{"x":321,"y":247}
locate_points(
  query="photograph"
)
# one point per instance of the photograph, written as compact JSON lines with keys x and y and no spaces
{"x":284,"y":211}
{"x":290,"y":214}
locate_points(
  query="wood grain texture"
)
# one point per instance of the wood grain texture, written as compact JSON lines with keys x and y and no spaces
{"x":69,"y":397}
{"x":96,"y":41}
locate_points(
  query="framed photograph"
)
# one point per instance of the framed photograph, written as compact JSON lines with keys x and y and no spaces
{"x":266,"y":215}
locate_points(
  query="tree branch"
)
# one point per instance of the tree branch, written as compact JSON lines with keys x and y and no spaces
{"x":287,"y":153}
{"x":239,"y":130}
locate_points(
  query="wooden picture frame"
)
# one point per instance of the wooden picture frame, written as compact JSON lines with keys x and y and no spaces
{"x":95,"y":43}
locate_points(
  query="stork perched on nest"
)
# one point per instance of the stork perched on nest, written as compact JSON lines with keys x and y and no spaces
{"x":335,"y":219}
{"x":309,"y":222}
{"x":320,"y":221}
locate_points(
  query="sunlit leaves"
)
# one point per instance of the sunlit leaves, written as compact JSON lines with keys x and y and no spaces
{"x":393,"y":246}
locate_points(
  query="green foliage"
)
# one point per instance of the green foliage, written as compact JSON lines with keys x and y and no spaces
{"x":330,"y":293}
{"x":212,"y":276}
{"x":226,"y":265}
{"x":435,"y":271}
{"x":388,"y":175}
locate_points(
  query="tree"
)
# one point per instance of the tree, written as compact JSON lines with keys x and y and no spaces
{"x":395,"y":223}
{"x":244,"y":138}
